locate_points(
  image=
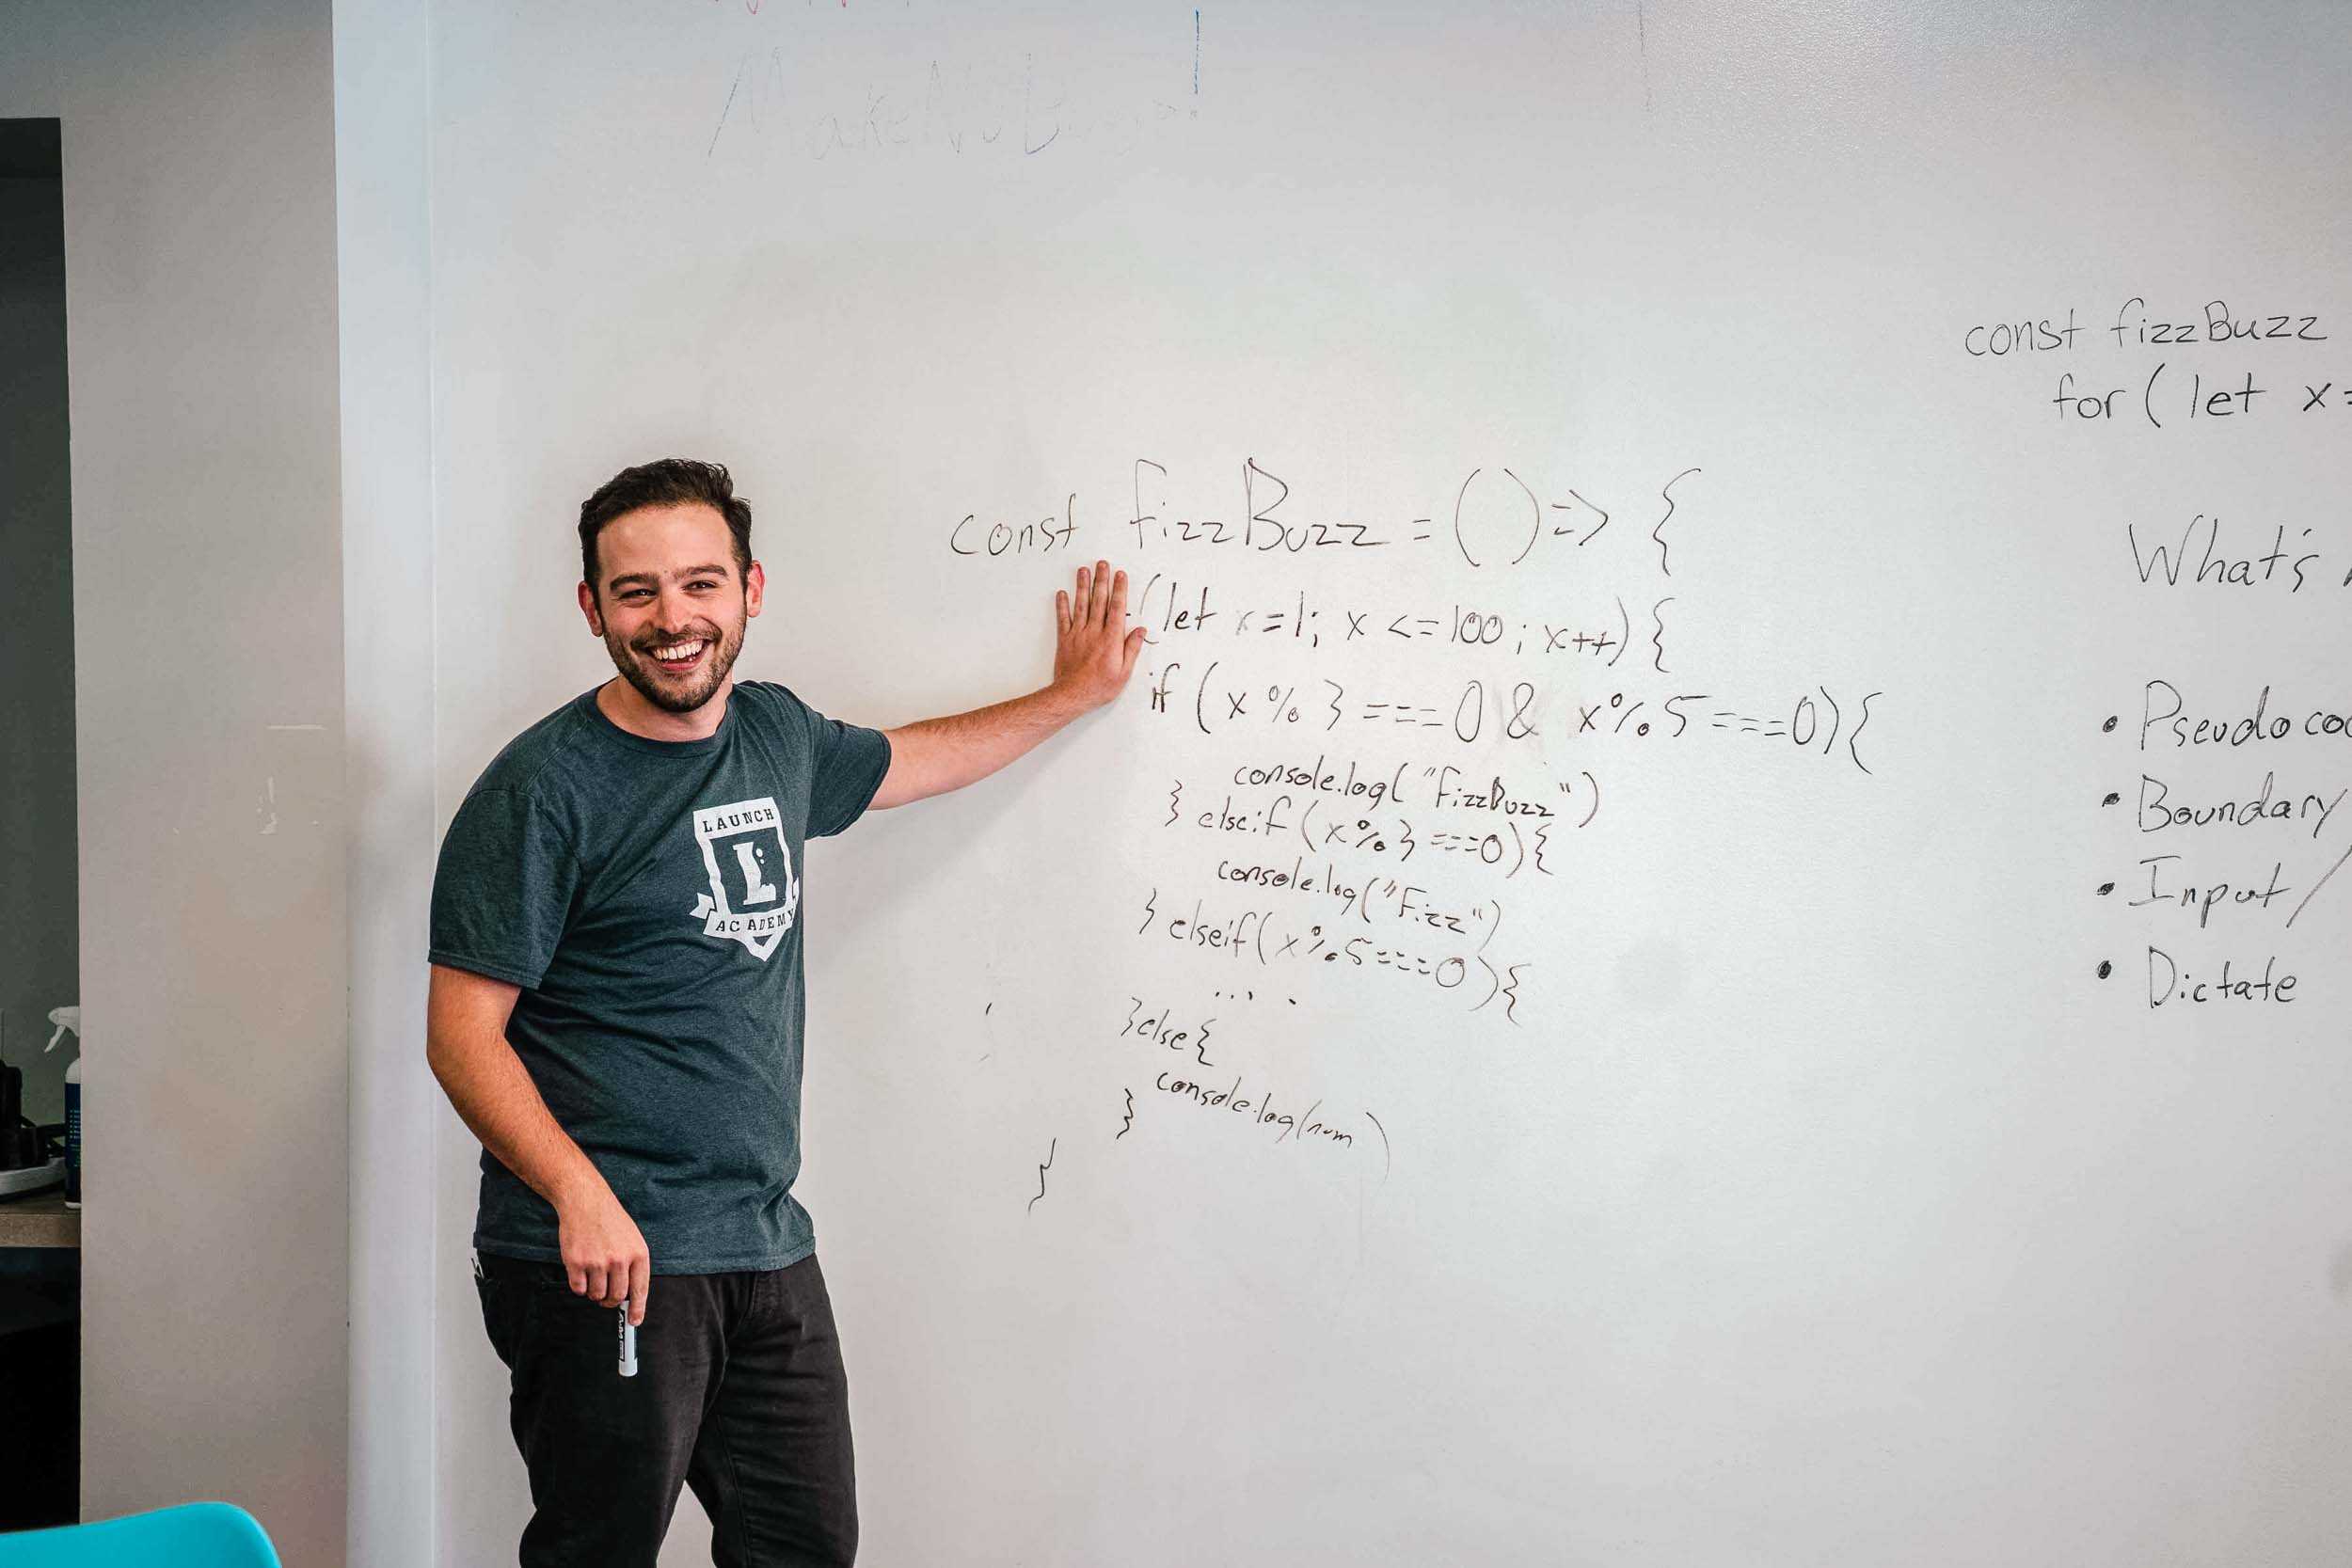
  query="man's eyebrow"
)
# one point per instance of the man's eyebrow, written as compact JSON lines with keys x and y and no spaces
{"x":653,"y":579}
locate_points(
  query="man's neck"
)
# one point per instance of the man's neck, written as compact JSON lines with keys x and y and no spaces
{"x":626,"y":706}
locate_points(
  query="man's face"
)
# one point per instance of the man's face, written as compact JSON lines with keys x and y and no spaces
{"x":669,"y":586}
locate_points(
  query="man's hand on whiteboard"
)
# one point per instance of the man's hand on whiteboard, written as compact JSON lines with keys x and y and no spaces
{"x":1094,"y":653}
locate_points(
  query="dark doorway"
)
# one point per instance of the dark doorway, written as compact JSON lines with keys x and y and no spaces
{"x":39,"y":957}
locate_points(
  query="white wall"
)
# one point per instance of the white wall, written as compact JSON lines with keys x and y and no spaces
{"x":198,"y":147}
{"x":382,"y":100}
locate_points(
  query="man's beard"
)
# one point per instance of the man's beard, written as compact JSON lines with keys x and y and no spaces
{"x":676,"y":693}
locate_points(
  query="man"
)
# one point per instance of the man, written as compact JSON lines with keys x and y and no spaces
{"x":615,"y":1011}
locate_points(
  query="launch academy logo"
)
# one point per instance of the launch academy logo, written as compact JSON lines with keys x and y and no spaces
{"x":753,"y":894}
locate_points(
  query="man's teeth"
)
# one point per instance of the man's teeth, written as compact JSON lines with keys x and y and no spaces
{"x":684,"y":650}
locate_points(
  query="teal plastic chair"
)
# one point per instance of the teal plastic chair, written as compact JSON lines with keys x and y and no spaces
{"x":194,"y":1535}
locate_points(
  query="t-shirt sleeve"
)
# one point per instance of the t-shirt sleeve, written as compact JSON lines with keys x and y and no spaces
{"x":846,"y":767}
{"x":503,"y":888}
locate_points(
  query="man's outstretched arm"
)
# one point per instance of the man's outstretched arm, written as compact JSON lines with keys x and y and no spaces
{"x":1094,"y":653}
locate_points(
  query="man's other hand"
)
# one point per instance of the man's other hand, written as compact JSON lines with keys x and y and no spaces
{"x":1094,"y":651}
{"x":604,"y":1255}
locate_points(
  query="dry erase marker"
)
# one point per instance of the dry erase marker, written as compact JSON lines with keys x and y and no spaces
{"x":628,"y":1344}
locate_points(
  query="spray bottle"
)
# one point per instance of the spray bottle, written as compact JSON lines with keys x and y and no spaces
{"x":68,"y":1020}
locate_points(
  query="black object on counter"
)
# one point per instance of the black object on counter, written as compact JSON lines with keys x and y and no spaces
{"x":13,"y":1146}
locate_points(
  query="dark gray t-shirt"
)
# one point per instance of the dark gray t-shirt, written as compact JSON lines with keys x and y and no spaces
{"x":646,"y":895}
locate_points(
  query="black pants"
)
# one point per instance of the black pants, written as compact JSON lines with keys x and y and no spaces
{"x":739,"y":1393}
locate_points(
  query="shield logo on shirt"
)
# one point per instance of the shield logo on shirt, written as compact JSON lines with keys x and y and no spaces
{"x":754,"y":895}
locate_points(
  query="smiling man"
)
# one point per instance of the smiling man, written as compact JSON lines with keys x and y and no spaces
{"x":616,"y":1009}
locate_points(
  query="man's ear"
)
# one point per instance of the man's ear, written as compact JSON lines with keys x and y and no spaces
{"x":588,"y":608}
{"x":755,"y":587}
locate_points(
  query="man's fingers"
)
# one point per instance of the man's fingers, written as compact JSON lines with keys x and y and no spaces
{"x":577,"y":1277}
{"x":640,"y":1285}
{"x":1099,"y":604}
{"x":592,"y":1281}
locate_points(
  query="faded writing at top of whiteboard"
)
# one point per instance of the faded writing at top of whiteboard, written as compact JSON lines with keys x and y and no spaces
{"x":786,"y":102}
{"x":2154,"y":364}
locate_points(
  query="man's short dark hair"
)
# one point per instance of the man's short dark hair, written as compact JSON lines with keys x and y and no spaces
{"x":670,"y":481}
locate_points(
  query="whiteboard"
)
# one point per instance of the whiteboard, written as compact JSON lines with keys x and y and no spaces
{"x":1645,"y":515}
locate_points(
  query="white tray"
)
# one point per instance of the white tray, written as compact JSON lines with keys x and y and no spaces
{"x":32,"y":1179}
